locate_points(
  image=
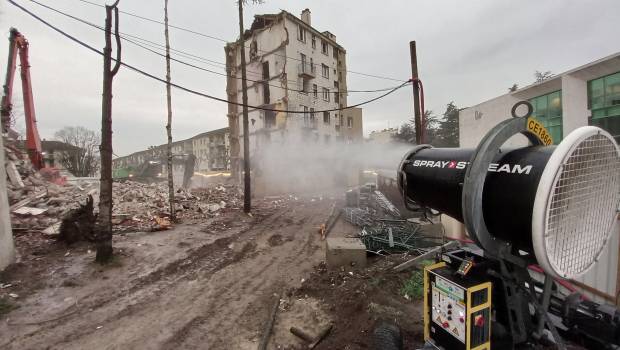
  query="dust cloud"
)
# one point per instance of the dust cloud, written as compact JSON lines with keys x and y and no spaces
{"x":306,"y":166}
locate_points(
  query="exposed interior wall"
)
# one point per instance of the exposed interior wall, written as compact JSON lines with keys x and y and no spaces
{"x":7,"y":249}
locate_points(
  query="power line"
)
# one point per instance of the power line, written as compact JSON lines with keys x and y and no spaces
{"x":192,"y":56}
{"x":226,"y":41}
{"x":180,"y":87}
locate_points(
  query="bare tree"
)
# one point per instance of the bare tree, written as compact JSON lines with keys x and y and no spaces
{"x":83,"y":158}
{"x":542,"y":76}
{"x":169,"y":125}
{"x":103,"y":236}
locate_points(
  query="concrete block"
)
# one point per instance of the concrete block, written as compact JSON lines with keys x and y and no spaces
{"x":342,"y":251}
{"x":7,"y":251}
{"x":14,"y":176}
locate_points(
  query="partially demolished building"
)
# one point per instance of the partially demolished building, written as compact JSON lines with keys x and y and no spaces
{"x":290,"y":66}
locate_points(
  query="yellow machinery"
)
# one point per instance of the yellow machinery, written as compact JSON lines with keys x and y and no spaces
{"x":457,"y":308}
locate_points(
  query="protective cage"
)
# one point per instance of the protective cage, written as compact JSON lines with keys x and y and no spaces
{"x":576,"y":202}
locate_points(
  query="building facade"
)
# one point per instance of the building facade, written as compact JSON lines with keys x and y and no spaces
{"x":291,"y":66}
{"x":586,"y":95}
{"x":211,"y":151}
{"x":352,"y":129}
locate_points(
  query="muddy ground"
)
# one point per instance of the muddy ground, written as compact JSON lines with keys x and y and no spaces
{"x":208,"y":285}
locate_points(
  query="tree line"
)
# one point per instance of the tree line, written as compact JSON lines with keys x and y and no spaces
{"x":441,"y":130}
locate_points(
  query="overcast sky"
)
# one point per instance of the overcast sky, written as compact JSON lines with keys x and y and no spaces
{"x":468,"y":52}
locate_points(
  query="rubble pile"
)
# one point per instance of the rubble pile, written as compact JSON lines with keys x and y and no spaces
{"x":139,"y":206}
{"x":35,"y":203}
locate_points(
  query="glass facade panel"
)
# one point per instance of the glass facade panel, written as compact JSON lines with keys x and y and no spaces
{"x":604,"y":102}
{"x":548,"y":111}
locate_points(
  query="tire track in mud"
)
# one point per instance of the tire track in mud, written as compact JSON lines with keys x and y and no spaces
{"x":155,"y":281}
{"x":193,"y":332}
{"x":195,"y":311}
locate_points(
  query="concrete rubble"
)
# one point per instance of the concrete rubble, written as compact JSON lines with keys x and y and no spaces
{"x":39,"y":205}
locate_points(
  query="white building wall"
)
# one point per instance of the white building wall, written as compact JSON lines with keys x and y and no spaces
{"x":574,"y":103}
{"x":476,"y":121}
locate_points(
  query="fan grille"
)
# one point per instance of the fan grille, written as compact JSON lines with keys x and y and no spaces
{"x":580,"y":211}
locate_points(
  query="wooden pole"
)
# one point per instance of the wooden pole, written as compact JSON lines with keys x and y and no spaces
{"x":169,"y":125}
{"x":247,"y":193}
{"x":419,"y":137}
{"x":103,"y":232}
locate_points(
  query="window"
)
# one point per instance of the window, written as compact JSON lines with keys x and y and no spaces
{"x":326,"y":117}
{"x":266,"y":95}
{"x":313,"y":41}
{"x":312,"y":118}
{"x":335,"y":51}
{"x":325,"y":94}
{"x":336,"y":93}
{"x":301,"y":33}
{"x":324,"y":47}
{"x":305,"y":85}
{"x":604,"y":102}
{"x":548,"y":110}
{"x":349,"y":122}
{"x":303,"y":59}
{"x":325,"y":71}
{"x":311,"y":65}
{"x":266,"y":70}
{"x":270,"y":119}
{"x":315,"y":90}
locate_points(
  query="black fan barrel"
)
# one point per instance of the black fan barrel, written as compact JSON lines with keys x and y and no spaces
{"x":433,"y":177}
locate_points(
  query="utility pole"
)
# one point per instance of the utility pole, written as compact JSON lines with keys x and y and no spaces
{"x":419,"y":128}
{"x":103,"y":228}
{"x":247,"y":193}
{"x":169,"y":125}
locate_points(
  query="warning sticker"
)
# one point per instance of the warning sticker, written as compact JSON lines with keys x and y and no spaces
{"x":536,"y":128}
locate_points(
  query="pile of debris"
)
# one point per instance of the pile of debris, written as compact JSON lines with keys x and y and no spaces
{"x":141,"y":207}
{"x":36,"y":204}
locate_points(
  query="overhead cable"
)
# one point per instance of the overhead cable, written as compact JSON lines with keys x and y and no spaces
{"x":180,"y":87}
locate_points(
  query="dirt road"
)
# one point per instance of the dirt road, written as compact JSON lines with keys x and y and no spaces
{"x":206,"y":286}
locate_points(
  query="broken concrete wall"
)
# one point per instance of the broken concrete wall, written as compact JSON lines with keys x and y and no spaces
{"x":7,"y":249}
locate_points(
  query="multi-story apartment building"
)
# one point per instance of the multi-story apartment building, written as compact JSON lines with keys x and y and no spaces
{"x":291,"y":66}
{"x":210,"y":148}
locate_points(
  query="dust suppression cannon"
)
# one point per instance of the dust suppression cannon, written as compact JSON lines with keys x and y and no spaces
{"x":546,"y":205}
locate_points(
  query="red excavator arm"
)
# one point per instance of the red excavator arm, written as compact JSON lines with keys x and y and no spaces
{"x":19,"y":45}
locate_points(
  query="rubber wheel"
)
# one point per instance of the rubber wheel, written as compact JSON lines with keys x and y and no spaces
{"x":386,"y":336}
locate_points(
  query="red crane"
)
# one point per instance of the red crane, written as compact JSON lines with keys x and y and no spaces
{"x":19,"y":44}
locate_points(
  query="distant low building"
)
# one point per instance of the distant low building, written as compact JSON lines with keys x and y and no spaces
{"x":352,"y":126}
{"x":210,"y":148}
{"x":383,"y":136}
